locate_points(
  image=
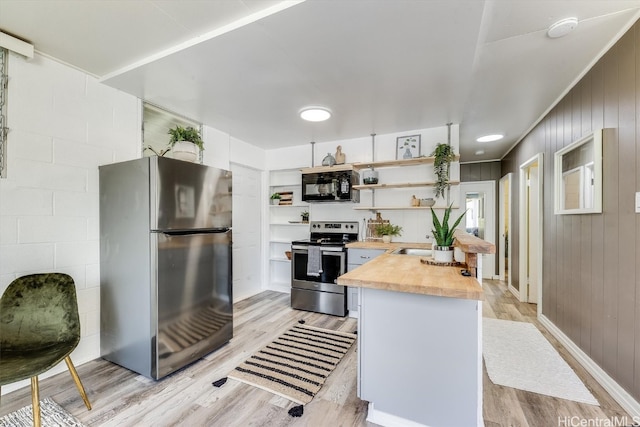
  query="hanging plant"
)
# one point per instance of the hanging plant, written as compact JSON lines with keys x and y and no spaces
{"x":444,"y":155}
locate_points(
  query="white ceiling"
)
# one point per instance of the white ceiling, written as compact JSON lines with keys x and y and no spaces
{"x":247,"y":66}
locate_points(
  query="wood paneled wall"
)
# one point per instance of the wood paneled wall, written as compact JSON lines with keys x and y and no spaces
{"x":484,"y":171}
{"x":591,"y":263}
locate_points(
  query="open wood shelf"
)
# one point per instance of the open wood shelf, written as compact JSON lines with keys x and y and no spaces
{"x":280,"y":259}
{"x":396,"y":163}
{"x":398,"y":185}
{"x":334,"y":168}
{"x":396,"y":208}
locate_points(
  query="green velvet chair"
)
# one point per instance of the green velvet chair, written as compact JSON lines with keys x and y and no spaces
{"x":39,"y":327}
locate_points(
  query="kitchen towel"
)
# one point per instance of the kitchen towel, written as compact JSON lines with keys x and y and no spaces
{"x":314,"y":261}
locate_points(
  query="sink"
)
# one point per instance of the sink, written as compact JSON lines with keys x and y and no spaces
{"x":412,"y":251}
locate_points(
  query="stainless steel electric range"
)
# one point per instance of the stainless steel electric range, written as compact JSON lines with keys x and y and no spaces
{"x":316,"y":264}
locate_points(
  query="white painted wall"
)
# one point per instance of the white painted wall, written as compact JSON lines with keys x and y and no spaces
{"x":63,"y":125}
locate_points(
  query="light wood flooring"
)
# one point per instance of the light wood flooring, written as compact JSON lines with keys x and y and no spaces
{"x":187,"y":398}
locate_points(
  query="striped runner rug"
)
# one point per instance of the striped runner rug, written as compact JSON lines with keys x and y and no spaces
{"x":297,"y":363}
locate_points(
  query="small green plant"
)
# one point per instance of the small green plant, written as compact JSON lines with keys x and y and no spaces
{"x":444,"y":155}
{"x":305,"y":215}
{"x":189,"y":134}
{"x":388,"y":229}
{"x":275,"y":196}
{"x":442,"y":233}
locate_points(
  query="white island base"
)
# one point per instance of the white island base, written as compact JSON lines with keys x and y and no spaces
{"x":419,"y":359}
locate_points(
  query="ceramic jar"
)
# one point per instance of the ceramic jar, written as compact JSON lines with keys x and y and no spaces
{"x":369,"y":176}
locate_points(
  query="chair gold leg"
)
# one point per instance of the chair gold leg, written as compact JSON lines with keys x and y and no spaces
{"x":76,"y":379}
{"x":35,"y":401}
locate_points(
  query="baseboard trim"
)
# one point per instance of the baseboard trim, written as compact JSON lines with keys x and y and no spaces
{"x":285,"y":289}
{"x":618,"y":393}
{"x":515,"y":292}
{"x":387,"y":420}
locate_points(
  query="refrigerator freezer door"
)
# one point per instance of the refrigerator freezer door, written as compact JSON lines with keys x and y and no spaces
{"x":194,"y":305}
{"x":189,"y":196}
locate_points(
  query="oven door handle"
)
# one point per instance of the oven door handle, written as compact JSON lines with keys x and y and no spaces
{"x":299,"y":248}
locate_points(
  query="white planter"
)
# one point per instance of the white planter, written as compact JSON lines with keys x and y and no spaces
{"x":275,"y":201}
{"x":185,"y":150}
{"x":442,"y":254}
{"x":386,"y":238}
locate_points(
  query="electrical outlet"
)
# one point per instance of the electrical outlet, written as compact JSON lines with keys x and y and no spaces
{"x":638,"y":202}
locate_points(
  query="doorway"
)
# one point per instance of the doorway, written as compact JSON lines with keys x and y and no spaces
{"x":504,"y":219}
{"x":479,"y":200}
{"x":530,"y":232}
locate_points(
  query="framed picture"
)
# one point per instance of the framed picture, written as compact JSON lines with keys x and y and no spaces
{"x":407,"y":147}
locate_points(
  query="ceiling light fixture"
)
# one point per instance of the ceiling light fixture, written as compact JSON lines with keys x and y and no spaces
{"x":315,"y":114}
{"x":490,"y":138}
{"x":562,"y":28}
{"x":479,"y":152}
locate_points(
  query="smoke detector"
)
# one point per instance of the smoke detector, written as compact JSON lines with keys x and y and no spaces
{"x":562,"y":28}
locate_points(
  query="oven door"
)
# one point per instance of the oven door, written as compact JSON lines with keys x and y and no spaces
{"x":318,"y":293}
{"x":333,"y":266}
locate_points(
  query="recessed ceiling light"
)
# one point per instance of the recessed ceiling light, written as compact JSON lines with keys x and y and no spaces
{"x":562,"y":28}
{"x":489,"y":138}
{"x":479,"y":152}
{"x":315,"y":114}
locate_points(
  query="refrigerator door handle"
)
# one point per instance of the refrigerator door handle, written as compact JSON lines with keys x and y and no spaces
{"x":190,"y":232}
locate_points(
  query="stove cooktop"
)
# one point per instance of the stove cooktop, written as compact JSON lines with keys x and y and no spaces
{"x":335,"y":233}
{"x":323,"y":242}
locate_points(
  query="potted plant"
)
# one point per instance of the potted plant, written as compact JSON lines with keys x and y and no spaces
{"x":185,"y":142}
{"x":387,"y":230}
{"x":305,"y":216}
{"x":443,"y":235}
{"x":444,"y":155}
{"x":275,"y":199}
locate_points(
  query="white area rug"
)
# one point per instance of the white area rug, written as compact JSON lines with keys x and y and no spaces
{"x":51,"y":415}
{"x":517,"y":355}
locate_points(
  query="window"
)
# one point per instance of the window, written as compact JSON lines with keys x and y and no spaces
{"x":578,"y":176}
{"x":156,"y":123}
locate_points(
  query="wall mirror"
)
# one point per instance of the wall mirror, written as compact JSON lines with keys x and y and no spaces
{"x":578,"y":176}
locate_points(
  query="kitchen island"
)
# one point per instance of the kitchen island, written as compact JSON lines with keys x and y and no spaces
{"x":419,"y":340}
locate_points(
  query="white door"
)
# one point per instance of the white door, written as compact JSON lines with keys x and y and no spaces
{"x":247,"y":238}
{"x":479,"y":199}
{"x":530,"y":231}
{"x":534,"y":234}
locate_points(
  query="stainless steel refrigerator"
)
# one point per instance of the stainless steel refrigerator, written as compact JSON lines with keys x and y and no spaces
{"x":165,"y":263}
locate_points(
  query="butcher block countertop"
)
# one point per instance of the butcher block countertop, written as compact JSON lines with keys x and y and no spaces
{"x":464,"y":241}
{"x":405,"y":273}
{"x":387,"y":246}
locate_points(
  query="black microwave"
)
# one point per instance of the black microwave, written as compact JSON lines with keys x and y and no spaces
{"x":330,"y":186}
